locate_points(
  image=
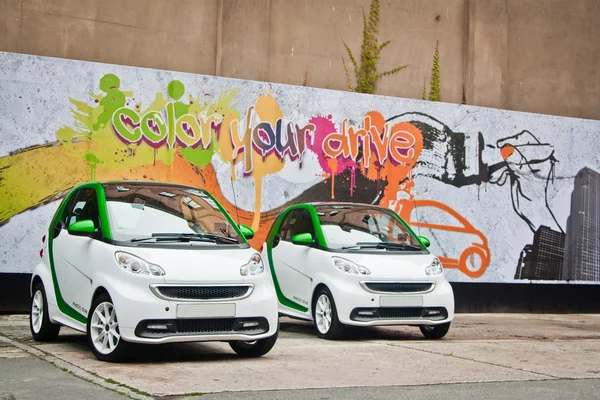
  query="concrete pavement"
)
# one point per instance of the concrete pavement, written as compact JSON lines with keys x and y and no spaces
{"x":538,"y":350}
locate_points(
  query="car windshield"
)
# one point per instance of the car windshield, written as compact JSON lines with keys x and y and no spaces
{"x":166,"y":213}
{"x":364,"y":227}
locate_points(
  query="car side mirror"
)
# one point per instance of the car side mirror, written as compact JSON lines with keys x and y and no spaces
{"x":246,"y":231}
{"x":82,"y":228}
{"x":276,"y":240}
{"x":305,"y":239}
{"x":424,"y":241}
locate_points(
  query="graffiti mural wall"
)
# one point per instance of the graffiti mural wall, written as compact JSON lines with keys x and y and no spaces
{"x":503,"y":196}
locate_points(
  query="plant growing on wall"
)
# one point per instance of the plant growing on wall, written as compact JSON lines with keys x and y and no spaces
{"x":435,"y":91}
{"x":366,"y":73}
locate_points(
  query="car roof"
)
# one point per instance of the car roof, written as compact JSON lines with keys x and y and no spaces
{"x":146,"y":183}
{"x":342,"y":203}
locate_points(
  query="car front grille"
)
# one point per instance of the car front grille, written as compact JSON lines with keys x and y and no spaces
{"x":399,"y":313}
{"x":213,"y":325}
{"x":155,"y":329}
{"x":203,"y":292}
{"x":399,"y":287}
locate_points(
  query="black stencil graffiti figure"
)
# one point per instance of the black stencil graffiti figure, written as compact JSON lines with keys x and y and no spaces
{"x":525,"y":160}
{"x":521,"y":159}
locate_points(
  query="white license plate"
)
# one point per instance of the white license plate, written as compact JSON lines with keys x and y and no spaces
{"x":401,"y":301}
{"x":205,"y":310}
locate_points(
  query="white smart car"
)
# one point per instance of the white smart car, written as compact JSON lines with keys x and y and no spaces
{"x":356,"y":264}
{"x":141,"y":262}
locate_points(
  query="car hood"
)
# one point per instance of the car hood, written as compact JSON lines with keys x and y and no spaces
{"x":196,"y":266}
{"x":393,"y":267}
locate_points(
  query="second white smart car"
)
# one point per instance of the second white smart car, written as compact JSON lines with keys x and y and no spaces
{"x":141,"y":262}
{"x":343,"y":264}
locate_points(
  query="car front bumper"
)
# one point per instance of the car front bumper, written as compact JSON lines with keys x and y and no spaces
{"x":145,"y":318}
{"x":357,"y":306}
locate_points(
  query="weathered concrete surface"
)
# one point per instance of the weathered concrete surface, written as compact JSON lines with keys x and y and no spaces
{"x":535,"y":55}
{"x":479,"y":348}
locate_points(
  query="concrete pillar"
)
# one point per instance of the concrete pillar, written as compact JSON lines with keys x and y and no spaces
{"x":243,"y":39}
{"x":486,"y":59}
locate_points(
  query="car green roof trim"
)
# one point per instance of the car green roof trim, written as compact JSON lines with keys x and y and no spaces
{"x":235,"y":226}
{"x":410,"y":230}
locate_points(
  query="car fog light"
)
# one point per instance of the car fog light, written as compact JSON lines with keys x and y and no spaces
{"x":432,"y":312}
{"x":368,"y":313}
{"x":158,"y":326}
{"x":249,"y":324}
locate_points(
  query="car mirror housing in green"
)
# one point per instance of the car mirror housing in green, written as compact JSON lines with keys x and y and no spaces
{"x":246,"y":231}
{"x":425,"y":241}
{"x":82,"y":228}
{"x":303,"y":238}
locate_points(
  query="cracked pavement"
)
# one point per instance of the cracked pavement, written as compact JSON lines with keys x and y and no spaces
{"x":541,"y":349}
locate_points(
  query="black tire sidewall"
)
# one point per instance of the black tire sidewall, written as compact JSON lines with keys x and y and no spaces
{"x":48,"y":330}
{"x":258,"y":349}
{"x":438,"y":331}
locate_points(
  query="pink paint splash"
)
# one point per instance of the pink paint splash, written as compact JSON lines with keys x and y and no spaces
{"x":323,"y":127}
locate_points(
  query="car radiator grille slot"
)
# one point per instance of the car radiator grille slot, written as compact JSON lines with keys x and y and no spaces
{"x":219,"y":325}
{"x":400,"y":313}
{"x":203,"y":292}
{"x":399,"y":287}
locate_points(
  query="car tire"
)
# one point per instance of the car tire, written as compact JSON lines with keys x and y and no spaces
{"x":435,"y":331}
{"x":255,"y":348}
{"x":42,"y":329}
{"x":103,"y":331}
{"x":325,"y":316}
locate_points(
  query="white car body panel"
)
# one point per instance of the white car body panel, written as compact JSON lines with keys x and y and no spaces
{"x":83,"y":266}
{"x":314,"y":267}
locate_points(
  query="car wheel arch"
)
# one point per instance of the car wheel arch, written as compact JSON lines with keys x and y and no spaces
{"x":34,"y":281}
{"x":314,"y":294}
{"x":99,"y":291}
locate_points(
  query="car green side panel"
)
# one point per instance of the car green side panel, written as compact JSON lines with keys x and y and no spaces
{"x":320,"y":241}
{"x":63,"y":306}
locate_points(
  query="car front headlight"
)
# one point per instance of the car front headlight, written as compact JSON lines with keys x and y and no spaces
{"x":348,"y":266}
{"x":435,"y":268}
{"x":254,"y":266}
{"x":136,"y":265}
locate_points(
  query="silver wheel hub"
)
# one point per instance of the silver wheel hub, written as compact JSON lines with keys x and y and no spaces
{"x":323,"y":313}
{"x":104,"y":328}
{"x":37,"y":311}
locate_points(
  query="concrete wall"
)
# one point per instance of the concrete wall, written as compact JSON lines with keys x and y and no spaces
{"x":527,"y":55}
{"x":492,"y":189}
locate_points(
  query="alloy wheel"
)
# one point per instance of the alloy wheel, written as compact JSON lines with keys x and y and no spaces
{"x":104,"y":328}
{"x":323,"y":313}
{"x":37,"y":311}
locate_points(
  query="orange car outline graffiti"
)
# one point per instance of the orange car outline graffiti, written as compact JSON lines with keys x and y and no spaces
{"x":480,"y":249}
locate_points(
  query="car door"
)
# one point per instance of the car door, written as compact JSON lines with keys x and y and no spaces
{"x":291,"y":260}
{"x":72,"y":254}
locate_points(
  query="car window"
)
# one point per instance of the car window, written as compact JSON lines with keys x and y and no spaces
{"x":139,"y":211}
{"x":300,"y":222}
{"x":82,"y":206}
{"x":284,"y":224}
{"x":348,"y":225}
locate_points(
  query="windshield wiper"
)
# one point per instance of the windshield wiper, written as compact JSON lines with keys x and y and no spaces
{"x":383,"y":245}
{"x":187,"y":237}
